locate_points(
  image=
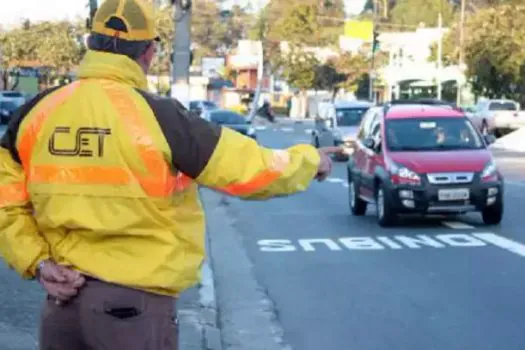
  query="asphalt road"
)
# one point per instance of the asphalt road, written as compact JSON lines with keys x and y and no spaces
{"x":340,"y":282}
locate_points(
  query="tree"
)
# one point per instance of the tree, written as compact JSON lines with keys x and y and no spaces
{"x":327,"y":77}
{"x":55,"y":45}
{"x":415,"y":12}
{"x":235,"y":26}
{"x":354,"y":67}
{"x":299,"y":67}
{"x":305,"y":21}
{"x":62,"y":48}
{"x":495,"y":51}
{"x":299,"y":22}
{"x":166,"y":30}
{"x":215,"y":31}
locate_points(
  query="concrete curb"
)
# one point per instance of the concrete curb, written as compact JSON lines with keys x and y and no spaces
{"x":197,"y":311}
{"x":246,"y":317}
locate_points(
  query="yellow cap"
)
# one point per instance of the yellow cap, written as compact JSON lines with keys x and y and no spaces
{"x":132,"y":20}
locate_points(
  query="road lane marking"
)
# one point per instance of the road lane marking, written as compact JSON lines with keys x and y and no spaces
{"x":382,"y":243}
{"x":456,"y":225}
{"x":502,"y":242}
{"x":260,"y":128}
{"x":308,"y":131}
{"x":308,"y":244}
{"x":334,"y":180}
{"x":287,"y":129}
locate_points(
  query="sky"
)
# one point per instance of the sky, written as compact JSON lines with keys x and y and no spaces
{"x":38,"y":10}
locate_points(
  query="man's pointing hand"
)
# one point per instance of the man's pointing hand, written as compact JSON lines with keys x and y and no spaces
{"x":325,"y":166}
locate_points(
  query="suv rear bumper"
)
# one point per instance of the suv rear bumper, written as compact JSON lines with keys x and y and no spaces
{"x":425,"y":198}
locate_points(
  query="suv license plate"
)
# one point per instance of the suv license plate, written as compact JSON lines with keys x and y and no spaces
{"x":457,"y":194}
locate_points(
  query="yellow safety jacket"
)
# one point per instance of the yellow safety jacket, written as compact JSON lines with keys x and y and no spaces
{"x":102,"y":176}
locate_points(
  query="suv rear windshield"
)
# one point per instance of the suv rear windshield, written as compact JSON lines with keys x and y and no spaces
{"x":503,"y":106}
{"x":431,"y":134}
{"x":350,"y":116}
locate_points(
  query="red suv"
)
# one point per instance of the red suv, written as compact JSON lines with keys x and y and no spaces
{"x":423,"y":159}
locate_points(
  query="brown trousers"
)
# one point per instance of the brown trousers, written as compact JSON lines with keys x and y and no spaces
{"x":109,"y":317}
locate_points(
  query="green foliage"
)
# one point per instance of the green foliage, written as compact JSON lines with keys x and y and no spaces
{"x":299,"y":67}
{"x":327,"y":77}
{"x":55,"y":45}
{"x":299,"y":22}
{"x":353,"y":67}
{"x":166,"y":29}
{"x":304,"y":21}
{"x":495,"y":51}
{"x":415,"y":12}
{"x":215,"y":33}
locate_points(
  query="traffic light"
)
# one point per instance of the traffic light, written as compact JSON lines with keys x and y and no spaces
{"x":375,"y":42}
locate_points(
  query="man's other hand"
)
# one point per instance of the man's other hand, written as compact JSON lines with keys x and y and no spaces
{"x":325,"y":166}
{"x":59,"y":281}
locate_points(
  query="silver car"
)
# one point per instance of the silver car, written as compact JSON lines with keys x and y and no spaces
{"x":337,"y":124}
{"x":497,"y":116}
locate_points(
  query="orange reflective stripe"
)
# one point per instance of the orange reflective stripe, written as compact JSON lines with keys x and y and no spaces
{"x":45,"y":108}
{"x":12,"y":194}
{"x":159,"y":180}
{"x":280,"y":160}
{"x":257,"y":183}
{"x":81,"y":175}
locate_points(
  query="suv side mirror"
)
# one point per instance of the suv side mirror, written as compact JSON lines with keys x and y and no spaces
{"x":369,"y":143}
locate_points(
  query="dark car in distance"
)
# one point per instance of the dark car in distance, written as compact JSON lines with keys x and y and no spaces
{"x":200,"y":106}
{"x":230,"y":120}
{"x":7,"y":108}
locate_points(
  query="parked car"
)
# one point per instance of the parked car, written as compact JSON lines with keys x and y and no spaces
{"x":423,"y":159}
{"x":7,"y":108}
{"x":15,"y":96}
{"x":230,"y":120}
{"x":498,"y":116}
{"x":199,"y":106}
{"x":337,"y":124}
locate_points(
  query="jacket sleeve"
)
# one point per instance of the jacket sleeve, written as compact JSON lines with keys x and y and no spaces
{"x":21,"y":244}
{"x":240,"y":167}
{"x":228,"y":161}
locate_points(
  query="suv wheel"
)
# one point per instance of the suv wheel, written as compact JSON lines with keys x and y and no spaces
{"x":494,"y":214}
{"x":386,"y":215}
{"x":357,"y":205}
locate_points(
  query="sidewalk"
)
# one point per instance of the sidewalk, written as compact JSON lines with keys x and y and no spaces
{"x":515,"y":141}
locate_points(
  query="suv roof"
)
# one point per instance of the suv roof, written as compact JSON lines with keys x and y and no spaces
{"x":352,"y":104}
{"x":406,"y":111}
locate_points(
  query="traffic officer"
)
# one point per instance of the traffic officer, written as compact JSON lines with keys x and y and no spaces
{"x":99,"y":191}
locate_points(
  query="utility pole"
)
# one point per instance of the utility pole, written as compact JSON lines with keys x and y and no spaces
{"x":372,"y":95}
{"x":93,"y":6}
{"x":180,"y":88}
{"x":440,"y":51}
{"x":461,"y":49}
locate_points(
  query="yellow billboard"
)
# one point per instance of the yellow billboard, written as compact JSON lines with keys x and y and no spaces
{"x":362,"y":30}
